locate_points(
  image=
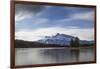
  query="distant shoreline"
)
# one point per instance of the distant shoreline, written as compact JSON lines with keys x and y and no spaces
{"x":26,"y":44}
{"x":59,"y":47}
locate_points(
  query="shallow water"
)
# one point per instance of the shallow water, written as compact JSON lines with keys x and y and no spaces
{"x":31,"y":56}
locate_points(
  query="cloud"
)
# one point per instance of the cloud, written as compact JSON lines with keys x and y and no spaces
{"x":83,"y":16}
{"x":83,"y":34}
{"x":32,"y":23}
{"x":79,"y":16}
{"x":26,"y":11}
{"x":40,"y":20}
{"x":81,"y":20}
{"x":22,"y":15}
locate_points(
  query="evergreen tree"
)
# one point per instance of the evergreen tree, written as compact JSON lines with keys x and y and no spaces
{"x":77,"y":44}
{"x":72,"y":43}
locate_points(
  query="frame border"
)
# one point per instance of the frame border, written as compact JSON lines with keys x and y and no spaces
{"x":12,"y":32}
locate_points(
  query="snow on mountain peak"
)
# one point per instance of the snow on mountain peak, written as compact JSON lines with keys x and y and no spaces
{"x":60,"y":39}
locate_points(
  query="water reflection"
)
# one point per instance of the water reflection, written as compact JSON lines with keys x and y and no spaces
{"x":75,"y":54}
{"x":29,"y":56}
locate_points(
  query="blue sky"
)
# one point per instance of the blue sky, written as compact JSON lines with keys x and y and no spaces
{"x":32,"y":22}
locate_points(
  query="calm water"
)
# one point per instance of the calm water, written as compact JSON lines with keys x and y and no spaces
{"x":30,"y":56}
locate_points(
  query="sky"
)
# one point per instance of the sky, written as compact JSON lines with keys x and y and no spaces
{"x":33,"y":22}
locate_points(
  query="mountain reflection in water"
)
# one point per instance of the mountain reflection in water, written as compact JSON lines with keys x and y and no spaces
{"x":31,"y":56}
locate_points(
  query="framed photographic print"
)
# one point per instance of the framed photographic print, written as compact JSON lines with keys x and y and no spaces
{"x":50,"y":34}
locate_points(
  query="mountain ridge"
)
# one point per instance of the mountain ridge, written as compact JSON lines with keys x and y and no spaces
{"x":61,"y":39}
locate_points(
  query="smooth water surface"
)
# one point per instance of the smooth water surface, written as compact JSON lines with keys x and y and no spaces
{"x":31,"y":56}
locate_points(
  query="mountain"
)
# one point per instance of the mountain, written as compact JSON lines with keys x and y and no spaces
{"x":62,"y":39}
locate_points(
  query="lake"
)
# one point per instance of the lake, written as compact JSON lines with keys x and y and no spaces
{"x":31,"y":56}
